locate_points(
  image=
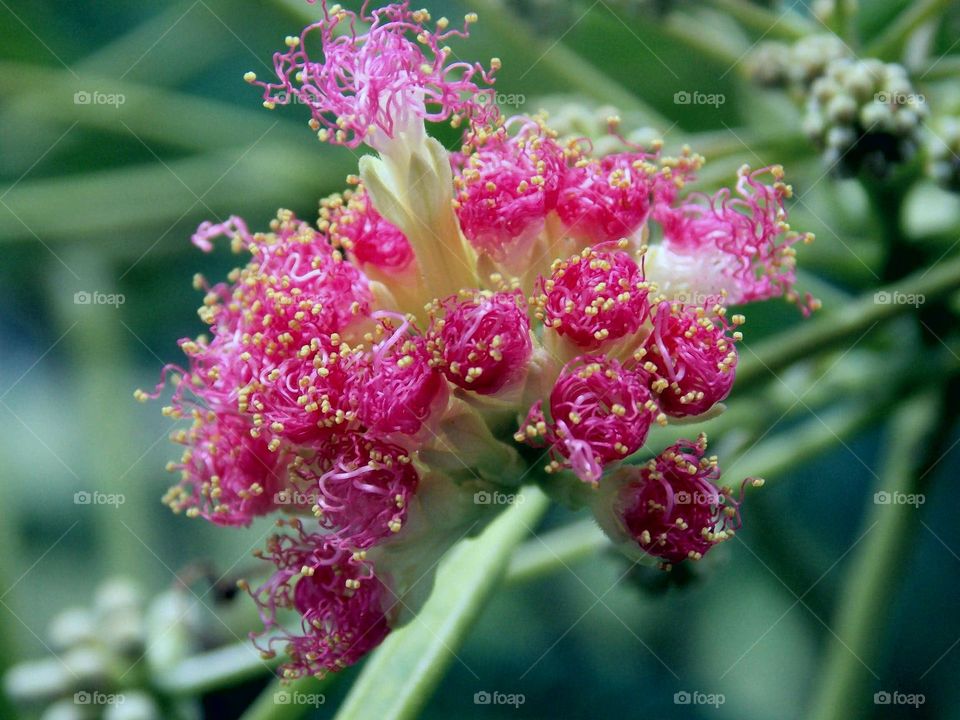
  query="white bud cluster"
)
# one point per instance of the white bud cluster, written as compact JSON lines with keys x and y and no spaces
{"x":864,"y":114}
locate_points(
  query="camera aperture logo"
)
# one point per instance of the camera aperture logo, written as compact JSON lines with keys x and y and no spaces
{"x":511,"y":100}
{"x":898,"y":498}
{"x":298,"y":498}
{"x":484,"y":697}
{"x":685,"y":697}
{"x":698,"y":299}
{"x":83,"y":297}
{"x":97,"y":698}
{"x":899,"y":98}
{"x":82,"y":497}
{"x":697,"y":498}
{"x":95,"y":97}
{"x":885,"y":297}
{"x":495,"y":497}
{"x":685,"y":97}
{"x":295,"y":697}
{"x":896,"y":697}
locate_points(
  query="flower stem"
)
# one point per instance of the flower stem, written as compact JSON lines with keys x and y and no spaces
{"x":266,"y":707}
{"x":570,"y":70}
{"x":942,"y":68}
{"x":788,"y":26}
{"x":844,"y":21}
{"x":890,"y":43}
{"x":837,"y":325}
{"x":224,"y":667}
{"x":878,"y":564}
{"x":155,"y":114}
{"x":555,"y":549}
{"x":399,"y":677}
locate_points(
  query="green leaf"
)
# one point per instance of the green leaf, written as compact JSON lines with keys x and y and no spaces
{"x":400,"y":676}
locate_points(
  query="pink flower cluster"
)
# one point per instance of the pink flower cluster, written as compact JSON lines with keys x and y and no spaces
{"x":673,"y":506}
{"x":600,"y":309}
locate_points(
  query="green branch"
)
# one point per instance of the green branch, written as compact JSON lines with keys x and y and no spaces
{"x":400,"y":676}
{"x":154,"y":114}
{"x":838,"y":325}
{"x":877,"y":566}
{"x":890,"y":43}
{"x":786,"y":26}
{"x":567,"y":67}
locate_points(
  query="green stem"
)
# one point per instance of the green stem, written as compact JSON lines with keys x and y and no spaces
{"x":787,"y":26}
{"x":102,"y":205}
{"x":304,"y":695}
{"x":890,"y":43}
{"x":714,"y":45}
{"x":150,"y":113}
{"x":555,"y":549}
{"x":224,"y":667}
{"x":400,"y":676}
{"x":99,"y":344}
{"x":877,"y":566}
{"x":943,"y":68}
{"x":836,"y":325}
{"x":844,"y":21}
{"x":567,"y":67}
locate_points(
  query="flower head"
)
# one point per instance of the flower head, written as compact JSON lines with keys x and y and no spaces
{"x":482,"y":341}
{"x":671,"y":507}
{"x":738,"y":246}
{"x":368,"y":239}
{"x":607,"y":198}
{"x":376,"y":83}
{"x":400,"y":387}
{"x":373,"y":365}
{"x":600,"y":413}
{"x":595,"y":297}
{"x":691,"y":357}
{"x":362,"y":487}
{"x":507,"y":183}
{"x":341,"y":602}
{"x":226,"y":476}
